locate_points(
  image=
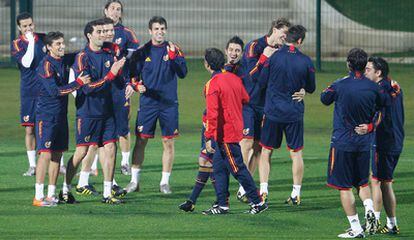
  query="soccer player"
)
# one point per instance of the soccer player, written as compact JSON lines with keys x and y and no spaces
{"x":233,"y":50}
{"x":285,"y":73}
{"x":51,"y":116}
{"x":28,"y":50}
{"x":158,"y":64}
{"x":127,"y":42}
{"x":255,"y":54}
{"x":94,"y":116}
{"x":389,"y":137}
{"x":356,"y":100}
{"x":225,"y":96}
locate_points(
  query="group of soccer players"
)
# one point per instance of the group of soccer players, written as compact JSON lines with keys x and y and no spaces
{"x":252,"y":100}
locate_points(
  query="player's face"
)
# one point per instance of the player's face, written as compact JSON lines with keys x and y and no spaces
{"x":109,"y":32}
{"x":370,"y":72}
{"x":158,"y":32}
{"x":97,"y":37}
{"x":57,"y":49}
{"x":233,"y":52}
{"x":26,"y":25}
{"x":114,"y":11}
{"x":280,"y":35}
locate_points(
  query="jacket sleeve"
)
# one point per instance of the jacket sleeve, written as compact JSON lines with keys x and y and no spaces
{"x":310,"y":85}
{"x":17,"y":51}
{"x":47,"y":78}
{"x":178,"y":63}
{"x":135,"y":66}
{"x":264,"y":74}
{"x":329,"y":95}
{"x":212,"y":101}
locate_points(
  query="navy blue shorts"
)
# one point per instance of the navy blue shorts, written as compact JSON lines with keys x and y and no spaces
{"x":27,"y":111}
{"x":52,"y":135}
{"x":383,"y":165}
{"x":147,"y":120}
{"x":121,"y":112}
{"x":95,"y":131}
{"x":203,"y":151}
{"x":272,"y":134}
{"x":252,"y":118}
{"x":348,"y":169}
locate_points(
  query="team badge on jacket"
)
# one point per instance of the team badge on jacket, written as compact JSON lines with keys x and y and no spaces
{"x":118,"y":41}
{"x":165,"y":58}
{"x":107,"y":64}
{"x":44,"y":49}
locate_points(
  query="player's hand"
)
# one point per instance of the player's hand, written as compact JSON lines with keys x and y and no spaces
{"x":141,"y":87}
{"x":84,"y":78}
{"x":129,"y":91}
{"x":268,"y":51}
{"x":361,"y":129}
{"x":29,"y":36}
{"x":299,"y":96}
{"x":171,"y":47}
{"x":117,"y":65}
{"x":209,"y":148}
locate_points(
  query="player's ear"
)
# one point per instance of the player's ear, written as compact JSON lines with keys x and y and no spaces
{"x":300,"y":40}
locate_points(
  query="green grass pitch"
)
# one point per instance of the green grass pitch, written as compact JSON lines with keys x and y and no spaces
{"x":148,"y":214}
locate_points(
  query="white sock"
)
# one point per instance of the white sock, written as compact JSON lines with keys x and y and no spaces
{"x":377,"y":215}
{"x":165,"y":178}
{"x":355,"y":224}
{"x":39,"y":195}
{"x":224,"y":208}
{"x":31,"y":155}
{"x":135,"y":172}
{"x":295,"y":191}
{"x":66,"y":188}
{"x":241,"y":190}
{"x":263,"y":188}
{"x":95,"y":163}
{"x":114,"y":182}
{"x":51,"y":191}
{"x":83,"y":179}
{"x":369,"y":205}
{"x":391,"y":222}
{"x":107,"y":188}
{"x":125,"y":158}
{"x":62,"y":163}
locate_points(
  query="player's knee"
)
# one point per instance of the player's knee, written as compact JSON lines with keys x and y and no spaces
{"x":110,"y":148}
{"x":29,"y":131}
{"x":168,"y":144}
{"x":141,"y":142}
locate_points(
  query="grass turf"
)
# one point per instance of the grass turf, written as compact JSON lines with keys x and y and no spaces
{"x":148,"y":214}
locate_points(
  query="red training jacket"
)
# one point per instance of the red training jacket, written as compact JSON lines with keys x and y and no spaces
{"x":225,"y":96}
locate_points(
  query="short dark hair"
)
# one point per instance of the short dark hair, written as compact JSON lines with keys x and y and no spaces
{"x":278,"y":23}
{"x":157,"y":19}
{"x":214,"y":58}
{"x":109,"y":2}
{"x":89,"y":27}
{"x":52,"y":36}
{"x":22,"y":16}
{"x":235,"y":40}
{"x":357,"y":59}
{"x":107,"y":21}
{"x":380,"y":64}
{"x":295,"y":33}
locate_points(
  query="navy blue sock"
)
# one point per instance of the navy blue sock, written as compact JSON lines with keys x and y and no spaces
{"x":202,"y":177}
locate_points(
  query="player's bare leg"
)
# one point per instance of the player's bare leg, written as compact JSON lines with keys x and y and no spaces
{"x":138,"y":156}
{"x":264,"y":171}
{"x":54,"y":169}
{"x":124,"y":144}
{"x":246,"y":145}
{"x":376,"y":197}
{"x":348,"y":204}
{"x":72,"y":166}
{"x":390,"y":204}
{"x":167,"y":164}
{"x":108,"y":168}
{"x":251,"y":151}
{"x":83,"y":186}
{"x":41,"y":168}
{"x":30,"y":142}
{"x":366,"y":197}
{"x":255,"y":157}
{"x":297,"y":175}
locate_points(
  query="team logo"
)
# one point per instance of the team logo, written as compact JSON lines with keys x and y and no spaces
{"x":118,"y":41}
{"x":126,"y":104}
{"x":176,"y":132}
{"x":58,"y":74}
{"x":26,"y":118}
{"x":107,"y":64}
{"x":140,"y":128}
{"x":148,"y":59}
{"x":246,"y":131}
{"x":44,"y":49}
{"x":47,"y":144}
{"x":87,"y":138}
{"x":165,"y":58}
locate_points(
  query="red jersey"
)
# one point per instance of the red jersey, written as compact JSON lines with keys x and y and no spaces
{"x":225,"y":96}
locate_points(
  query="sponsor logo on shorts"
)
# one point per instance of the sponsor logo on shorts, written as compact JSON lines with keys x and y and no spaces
{"x":47,"y":144}
{"x":87,"y":138}
{"x":107,"y":64}
{"x":118,"y":41}
{"x":246,"y":131}
{"x":165,"y":58}
{"x":140,"y":128}
{"x":26,"y":118}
